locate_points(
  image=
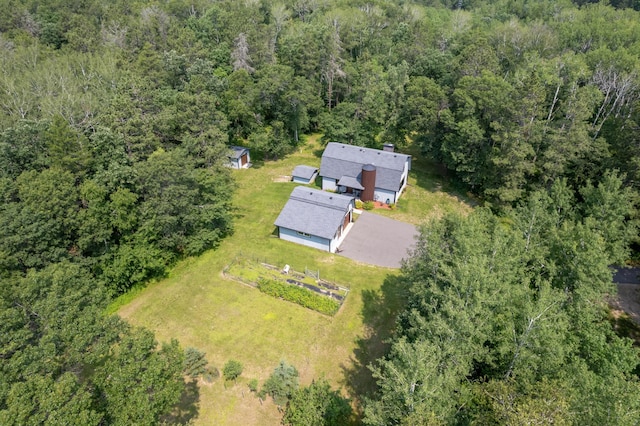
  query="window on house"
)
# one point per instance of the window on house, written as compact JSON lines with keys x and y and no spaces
{"x":304,"y":234}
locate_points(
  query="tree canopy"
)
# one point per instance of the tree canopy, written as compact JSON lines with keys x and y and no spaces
{"x":507,"y":95}
{"x":115,"y":122}
{"x":65,"y":362}
{"x":507,"y":320}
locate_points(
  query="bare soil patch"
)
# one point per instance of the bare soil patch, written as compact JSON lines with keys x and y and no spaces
{"x":381,"y":205}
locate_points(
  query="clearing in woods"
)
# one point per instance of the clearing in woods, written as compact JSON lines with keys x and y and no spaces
{"x":201,"y":308}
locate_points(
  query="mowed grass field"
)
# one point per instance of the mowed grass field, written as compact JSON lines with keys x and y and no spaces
{"x":229,"y":320}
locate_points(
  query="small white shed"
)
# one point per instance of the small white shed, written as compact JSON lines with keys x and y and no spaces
{"x":304,"y":174}
{"x":239,"y":157}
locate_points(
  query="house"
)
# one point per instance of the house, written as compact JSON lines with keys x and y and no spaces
{"x":315,"y":218}
{"x":239,"y":157}
{"x":304,"y":174}
{"x":365,"y":173}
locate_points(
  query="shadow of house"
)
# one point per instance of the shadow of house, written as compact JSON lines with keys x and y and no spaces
{"x":318,"y":152}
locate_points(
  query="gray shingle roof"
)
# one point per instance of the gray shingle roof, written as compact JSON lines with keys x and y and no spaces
{"x":340,"y":160}
{"x":351,"y":182}
{"x":304,"y":172}
{"x":313,"y":211}
{"x":237,"y":151}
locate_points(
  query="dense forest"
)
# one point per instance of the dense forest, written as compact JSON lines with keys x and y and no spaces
{"x":506,"y":321}
{"x":115,"y":118}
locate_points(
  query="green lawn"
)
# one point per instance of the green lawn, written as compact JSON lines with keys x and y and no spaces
{"x":229,"y":320}
{"x":429,"y":194}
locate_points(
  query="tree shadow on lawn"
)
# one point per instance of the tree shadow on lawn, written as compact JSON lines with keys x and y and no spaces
{"x":380,"y":310}
{"x":187,"y":409}
{"x":319,"y":151}
{"x":436,"y":177}
{"x":430,"y":176}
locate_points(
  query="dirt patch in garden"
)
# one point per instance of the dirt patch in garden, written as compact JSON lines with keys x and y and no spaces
{"x":282,"y":178}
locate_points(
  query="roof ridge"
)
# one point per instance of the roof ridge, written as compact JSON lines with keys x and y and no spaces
{"x":356,"y":162}
{"x":383,"y":152}
{"x":315,"y":202}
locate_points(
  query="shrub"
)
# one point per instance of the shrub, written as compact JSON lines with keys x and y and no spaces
{"x":368,"y":205}
{"x":281,"y":384}
{"x":253,"y":385}
{"x":232,"y":370}
{"x":210,"y":374}
{"x":392,"y":206}
{"x":195,"y":363}
{"x":358,"y":204}
{"x":317,"y":404}
{"x":298,"y":295}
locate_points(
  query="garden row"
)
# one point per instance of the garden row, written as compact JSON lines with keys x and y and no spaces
{"x":299,"y":295}
{"x":319,"y":295}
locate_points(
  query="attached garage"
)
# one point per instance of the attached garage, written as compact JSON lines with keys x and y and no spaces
{"x":315,"y":218}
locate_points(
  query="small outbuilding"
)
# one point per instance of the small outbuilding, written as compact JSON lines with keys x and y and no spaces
{"x":315,"y":218}
{"x":304,"y":174}
{"x":239,"y":157}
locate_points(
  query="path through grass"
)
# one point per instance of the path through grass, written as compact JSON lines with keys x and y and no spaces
{"x":229,"y":320}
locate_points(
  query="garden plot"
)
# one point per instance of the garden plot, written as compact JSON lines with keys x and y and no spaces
{"x":304,"y":289}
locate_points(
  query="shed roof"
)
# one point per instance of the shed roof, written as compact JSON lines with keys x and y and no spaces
{"x":237,"y":151}
{"x":341,"y":159}
{"x":314,"y":212}
{"x":304,"y":172}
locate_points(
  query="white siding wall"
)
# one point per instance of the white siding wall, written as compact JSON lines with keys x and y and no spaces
{"x":305,"y":181}
{"x":333,"y":245}
{"x":405,"y":174}
{"x":329,"y":184}
{"x":311,"y":241}
{"x":382,"y":195}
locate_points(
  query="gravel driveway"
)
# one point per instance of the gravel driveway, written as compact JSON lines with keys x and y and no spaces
{"x":378,"y":240}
